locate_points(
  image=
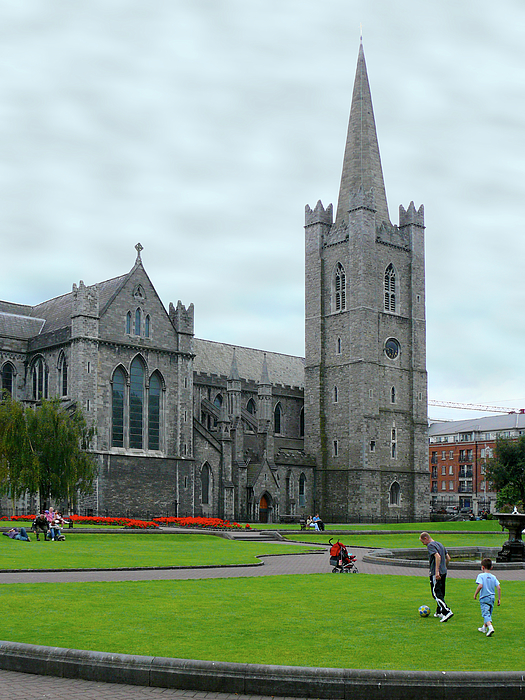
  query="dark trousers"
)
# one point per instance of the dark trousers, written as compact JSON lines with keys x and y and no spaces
{"x":437,"y":586}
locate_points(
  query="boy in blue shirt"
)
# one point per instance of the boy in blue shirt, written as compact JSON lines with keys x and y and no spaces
{"x":487,"y":585}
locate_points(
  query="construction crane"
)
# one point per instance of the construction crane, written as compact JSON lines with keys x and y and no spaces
{"x":475,"y":407}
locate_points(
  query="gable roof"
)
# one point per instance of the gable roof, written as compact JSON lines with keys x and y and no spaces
{"x":216,"y":358}
{"x":19,"y":327}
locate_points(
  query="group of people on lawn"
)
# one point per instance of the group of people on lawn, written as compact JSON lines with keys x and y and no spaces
{"x":47,"y":522}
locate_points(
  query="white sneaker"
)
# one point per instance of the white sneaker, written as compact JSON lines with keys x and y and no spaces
{"x":438,"y":615}
{"x":447,"y":616}
{"x":482,"y":629}
{"x":490,"y":631}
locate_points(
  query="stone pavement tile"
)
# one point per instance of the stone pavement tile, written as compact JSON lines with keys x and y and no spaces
{"x":25,"y":686}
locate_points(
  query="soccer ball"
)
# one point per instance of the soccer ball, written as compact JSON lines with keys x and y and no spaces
{"x":424,"y":611}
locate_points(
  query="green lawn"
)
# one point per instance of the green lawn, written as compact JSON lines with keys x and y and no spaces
{"x":462,"y":526}
{"x":85,"y":551}
{"x":404,"y":540}
{"x":357,"y":621}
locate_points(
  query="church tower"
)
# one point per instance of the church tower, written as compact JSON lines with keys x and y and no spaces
{"x":365,"y":374}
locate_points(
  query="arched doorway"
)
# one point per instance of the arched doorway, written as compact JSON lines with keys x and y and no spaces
{"x":264,"y":508}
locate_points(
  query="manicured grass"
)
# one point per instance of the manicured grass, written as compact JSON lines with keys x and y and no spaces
{"x":405,"y":540}
{"x":460,"y":525}
{"x":344,"y":621}
{"x":84,"y":551}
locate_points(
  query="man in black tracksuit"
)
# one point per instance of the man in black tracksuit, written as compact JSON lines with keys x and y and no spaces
{"x":438,"y":558}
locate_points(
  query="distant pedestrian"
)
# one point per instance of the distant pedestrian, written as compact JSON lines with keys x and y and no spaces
{"x":438,"y":558}
{"x":487,"y":586}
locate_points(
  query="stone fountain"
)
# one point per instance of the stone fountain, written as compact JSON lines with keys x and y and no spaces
{"x":514,"y":548}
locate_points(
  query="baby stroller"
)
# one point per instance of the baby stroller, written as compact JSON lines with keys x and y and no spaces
{"x":341,"y":560}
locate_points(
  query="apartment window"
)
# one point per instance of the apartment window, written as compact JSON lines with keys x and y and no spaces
{"x":443,"y":485}
{"x":451,"y":454}
{"x":451,"y":469}
{"x":451,"y":486}
{"x":443,"y":470}
{"x":443,"y":454}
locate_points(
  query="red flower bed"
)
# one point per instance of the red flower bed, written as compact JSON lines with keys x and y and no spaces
{"x":213,"y":523}
{"x":210,"y":523}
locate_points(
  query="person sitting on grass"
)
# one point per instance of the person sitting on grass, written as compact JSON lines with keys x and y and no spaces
{"x":56,"y":524}
{"x":40,"y":524}
{"x":17,"y":534}
{"x":487,"y":585}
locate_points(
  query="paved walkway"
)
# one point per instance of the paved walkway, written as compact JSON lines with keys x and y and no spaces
{"x":20,"y":686}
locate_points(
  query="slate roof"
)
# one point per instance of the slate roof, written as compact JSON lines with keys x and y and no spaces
{"x":20,"y":327}
{"x":485,"y":424}
{"x":216,"y":358}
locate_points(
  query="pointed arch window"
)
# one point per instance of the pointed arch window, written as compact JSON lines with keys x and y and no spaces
{"x":205,"y":483}
{"x":118,"y":388}
{"x":302,"y":489}
{"x":395,"y":494}
{"x":147,"y":324}
{"x":8,"y":379}
{"x":251,"y":407}
{"x":339,"y":289}
{"x":155,"y":387}
{"x":338,"y":347}
{"x":390,"y":289}
{"x":136,"y":404}
{"x":138,"y":319}
{"x":39,"y":378}
{"x":62,"y":375}
{"x":277,"y":419}
{"x":128,"y":323}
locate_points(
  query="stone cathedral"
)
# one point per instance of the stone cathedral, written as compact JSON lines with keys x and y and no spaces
{"x":192,"y":427}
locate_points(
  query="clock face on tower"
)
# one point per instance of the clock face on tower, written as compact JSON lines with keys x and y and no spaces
{"x":392,"y":348}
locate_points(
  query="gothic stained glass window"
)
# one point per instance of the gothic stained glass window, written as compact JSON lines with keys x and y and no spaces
{"x":390,"y":288}
{"x":205,"y":483}
{"x":138,"y":317}
{"x":39,"y":379}
{"x":128,"y":323}
{"x":277,"y":419}
{"x":302,"y":490}
{"x":154,"y":413}
{"x":339,"y":288}
{"x":62,"y":375}
{"x":250,"y":407}
{"x":8,"y":374}
{"x":147,"y":324}
{"x":117,"y":408}
{"x":395,"y":494}
{"x":136,"y":404}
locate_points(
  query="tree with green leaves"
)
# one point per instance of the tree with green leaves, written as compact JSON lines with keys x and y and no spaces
{"x":18,"y":461}
{"x":44,"y":450}
{"x":506,"y":471}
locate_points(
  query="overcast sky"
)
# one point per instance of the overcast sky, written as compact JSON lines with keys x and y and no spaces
{"x":201,"y":128}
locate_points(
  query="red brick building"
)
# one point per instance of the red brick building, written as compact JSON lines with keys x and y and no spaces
{"x":458,"y":451}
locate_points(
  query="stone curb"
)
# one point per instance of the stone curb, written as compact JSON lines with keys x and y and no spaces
{"x":258,"y":679}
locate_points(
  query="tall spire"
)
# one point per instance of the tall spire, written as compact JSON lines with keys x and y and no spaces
{"x":362,"y":162}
